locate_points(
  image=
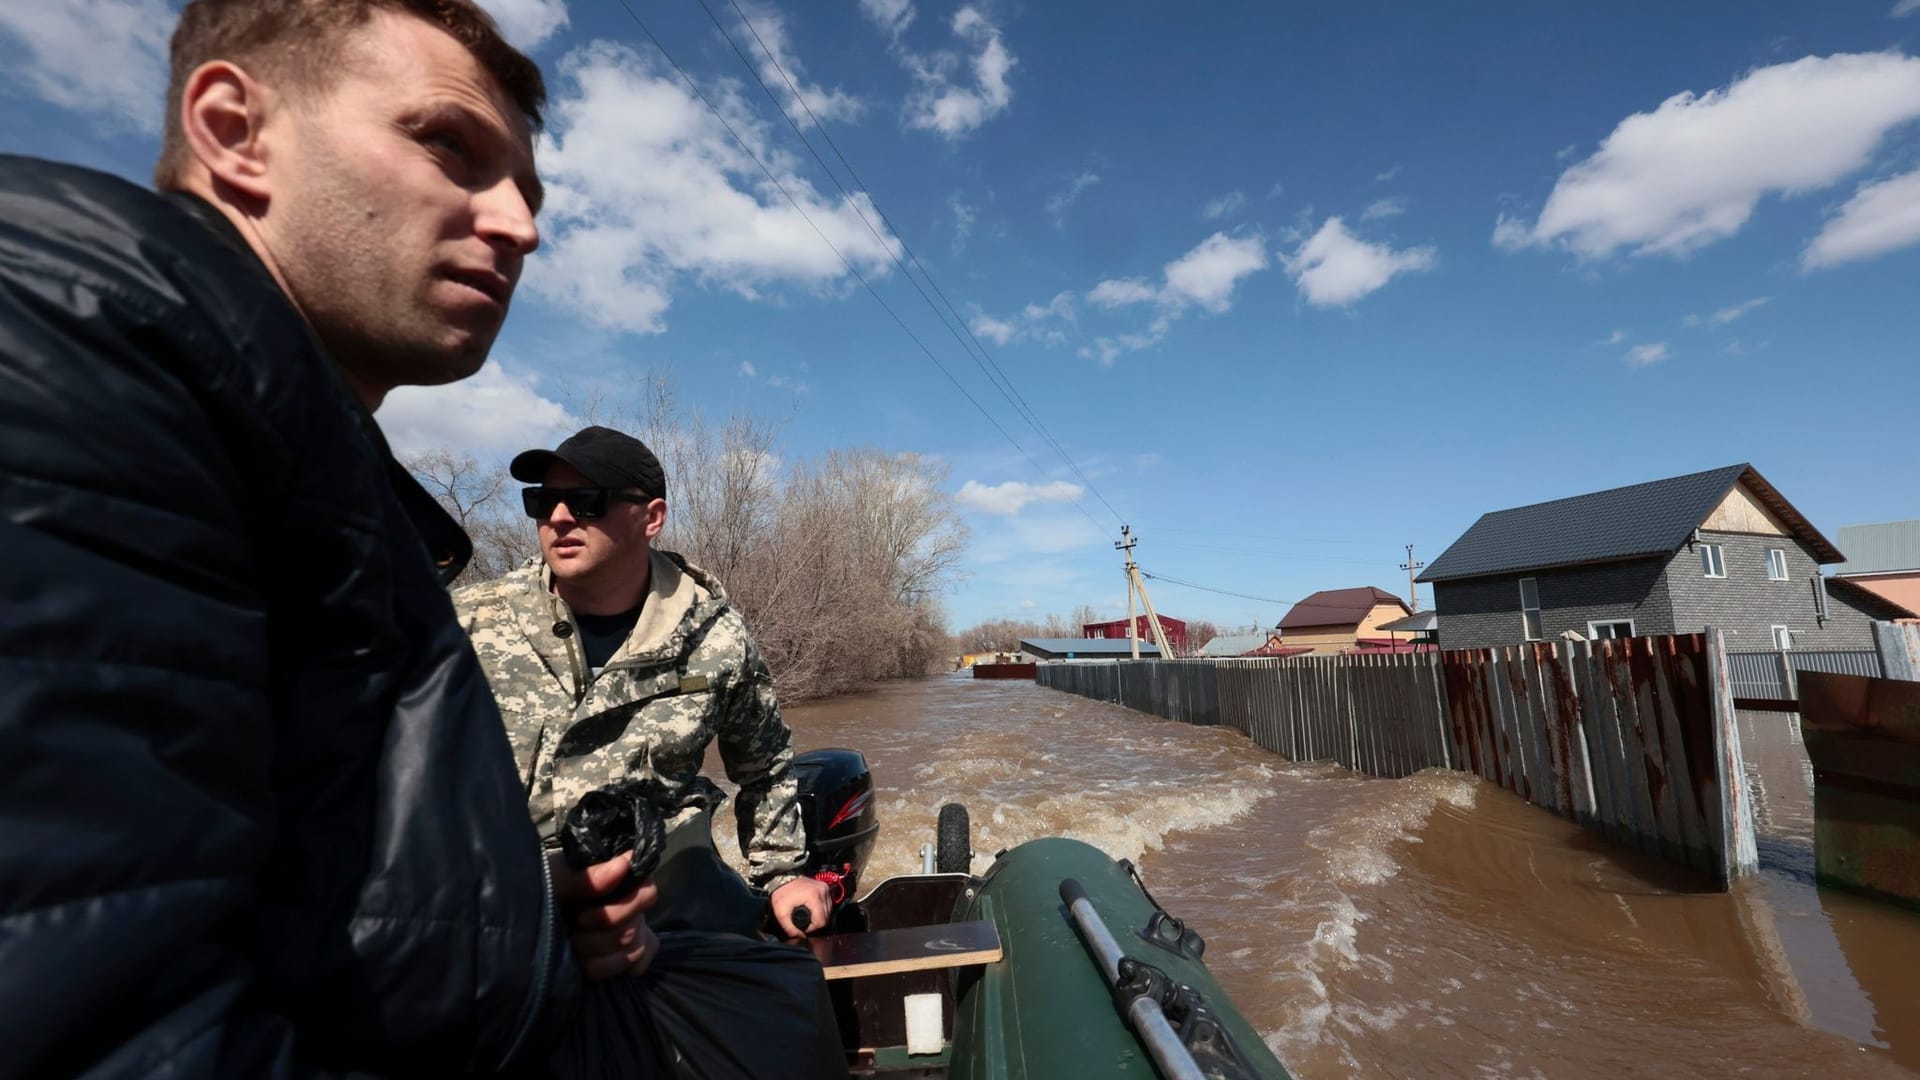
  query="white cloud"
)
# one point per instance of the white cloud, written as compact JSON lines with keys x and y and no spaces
{"x":963,"y":219}
{"x":647,"y":192}
{"x":951,"y":107}
{"x":1046,"y":323}
{"x":1120,"y":291}
{"x":1278,"y":189}
{"x":1335,"y":267}
{"x":769,"y":28}
{"x":496,"y":412}
{"x":1392,"y":206}
{"x":1208,"y":274}
{"x":1011,"y":497}
{"x":1058,"y":202}
{"x":994,"y":330}
{"x":105,"y":57}
{"x":893,"y":16}
{"x":747,"y":369}
{"x":1642,"y":355}
{"x":1726,"y":314}
{"x":1029,"y":605}
{"x":1223,"y":205}
{"x":1692,"y":171}
{"x":1880,"y":217}
{"x":527,"y":22}
{"x":1904,"y":8}
{"x":1383,"y":177}
{"x":1615,"y":338}
{"x":1205,"y":277}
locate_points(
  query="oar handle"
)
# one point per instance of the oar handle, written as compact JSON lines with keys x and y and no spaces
{"x":1143,"y":1012}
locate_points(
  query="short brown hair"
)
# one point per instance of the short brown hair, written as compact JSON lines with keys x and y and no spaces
{"x":300,"y":41}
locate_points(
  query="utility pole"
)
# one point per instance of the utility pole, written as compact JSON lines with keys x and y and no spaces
{"x":1135,"y":585}
{"x":1413,"y":587}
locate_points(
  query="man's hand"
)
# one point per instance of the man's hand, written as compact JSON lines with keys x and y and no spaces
{"x":806,"y":893}
{"x":606,"y":922}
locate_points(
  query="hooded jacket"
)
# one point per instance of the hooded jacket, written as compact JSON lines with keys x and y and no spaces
{"x":257,"y":815}
{"x":687,"y":675}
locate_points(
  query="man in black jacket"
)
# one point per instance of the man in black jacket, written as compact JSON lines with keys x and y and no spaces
{"x":257,"y":813}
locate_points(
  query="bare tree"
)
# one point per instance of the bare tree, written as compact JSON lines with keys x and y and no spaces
{"x":482,"y":500}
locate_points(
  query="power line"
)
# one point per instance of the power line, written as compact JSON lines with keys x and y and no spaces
{"x":844,"y":261}
{"x":990,"y":369}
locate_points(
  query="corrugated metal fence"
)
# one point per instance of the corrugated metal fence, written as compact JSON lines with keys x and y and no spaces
{"x":1766,"y":674}
{"x":1632,"y":738}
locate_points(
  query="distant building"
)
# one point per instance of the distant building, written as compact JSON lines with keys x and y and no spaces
{"x":1883,"y":559}
{"x":1073,"y":648}
{"x":1717,"y":548}
{"x":1265,"y":643}
{"x":1175,"y":629}
{"x":1335,"y":620}
{"x":1422,"y":628}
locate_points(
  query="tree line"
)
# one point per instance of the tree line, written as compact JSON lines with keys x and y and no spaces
{"x":837,"y":561}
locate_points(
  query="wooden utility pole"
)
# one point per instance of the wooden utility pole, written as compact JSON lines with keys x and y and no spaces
{"x":1135,"y":585}
{"x":1413,"y":587}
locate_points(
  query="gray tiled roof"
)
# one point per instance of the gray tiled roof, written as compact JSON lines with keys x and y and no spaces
{"x":1886,"y":548}
{"x":1051,"y":648}
{"x":1642,"y":519}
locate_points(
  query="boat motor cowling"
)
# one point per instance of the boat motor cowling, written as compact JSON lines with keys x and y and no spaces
{"x":836,"y":806}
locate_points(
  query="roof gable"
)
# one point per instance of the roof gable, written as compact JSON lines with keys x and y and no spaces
{"x":1338,"y":607}
{"x":1636,"y":521}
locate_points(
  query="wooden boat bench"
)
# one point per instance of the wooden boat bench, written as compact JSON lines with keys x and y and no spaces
{"x":907,"y":948}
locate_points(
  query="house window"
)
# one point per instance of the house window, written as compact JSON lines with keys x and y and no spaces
{"x":1776,"y":564}
{"x":1602,"y":631}
{"x":1530,"y":608}
{"x":1712,"y":560}
{"x":1782,"y":638}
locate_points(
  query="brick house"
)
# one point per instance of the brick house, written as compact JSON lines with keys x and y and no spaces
{"x":1717,"y":548}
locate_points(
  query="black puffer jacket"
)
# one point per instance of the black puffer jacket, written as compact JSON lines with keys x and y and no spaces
{"x":257,"y":811}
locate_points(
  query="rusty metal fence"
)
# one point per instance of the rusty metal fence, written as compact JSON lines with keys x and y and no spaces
{"x":1633,"y":738}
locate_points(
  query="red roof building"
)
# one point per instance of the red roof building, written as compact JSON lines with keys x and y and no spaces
{"x":1175,"y":629}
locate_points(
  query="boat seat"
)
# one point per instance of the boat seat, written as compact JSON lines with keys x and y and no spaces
{"x":907,"y":948}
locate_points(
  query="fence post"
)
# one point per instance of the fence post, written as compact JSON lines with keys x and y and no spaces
{"x":1899,"y":647}
{"x":1738,"y":855}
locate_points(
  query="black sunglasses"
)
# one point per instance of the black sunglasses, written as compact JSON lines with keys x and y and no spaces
{"x":584,"y":503}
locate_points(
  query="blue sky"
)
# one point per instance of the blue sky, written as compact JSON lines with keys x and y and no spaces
{"x":1294,"y":285}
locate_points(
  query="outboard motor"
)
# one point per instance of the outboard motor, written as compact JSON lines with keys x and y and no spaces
{"x":836,"y":805}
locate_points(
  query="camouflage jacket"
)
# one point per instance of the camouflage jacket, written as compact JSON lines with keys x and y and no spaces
{"x":688,"y":674}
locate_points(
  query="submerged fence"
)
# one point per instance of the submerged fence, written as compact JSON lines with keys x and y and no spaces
{"x":1633,"y":738}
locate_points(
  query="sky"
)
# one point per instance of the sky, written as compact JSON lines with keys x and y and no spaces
{"x":1284,"y":287}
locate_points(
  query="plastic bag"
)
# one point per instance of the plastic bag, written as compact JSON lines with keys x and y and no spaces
{"x":713,"y":1006}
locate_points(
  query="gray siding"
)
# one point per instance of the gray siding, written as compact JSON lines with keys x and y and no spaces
{"x":1747,"y":605}
{"x":1476,"y":612}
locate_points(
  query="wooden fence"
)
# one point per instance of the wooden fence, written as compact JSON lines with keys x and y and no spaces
{"x":1633,"y":738}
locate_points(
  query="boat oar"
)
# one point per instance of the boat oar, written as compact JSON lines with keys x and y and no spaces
{"x":1170,"y":1056}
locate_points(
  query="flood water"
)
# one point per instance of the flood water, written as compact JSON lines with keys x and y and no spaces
{"x":1431,"y":926}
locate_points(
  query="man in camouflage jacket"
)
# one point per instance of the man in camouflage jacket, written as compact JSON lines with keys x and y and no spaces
{"x":613,"y":660}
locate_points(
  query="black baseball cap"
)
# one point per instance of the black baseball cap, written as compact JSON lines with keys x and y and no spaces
{"x":607,"y":458}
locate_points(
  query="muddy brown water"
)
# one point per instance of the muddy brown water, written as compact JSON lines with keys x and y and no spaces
{"x":1431,"y":926}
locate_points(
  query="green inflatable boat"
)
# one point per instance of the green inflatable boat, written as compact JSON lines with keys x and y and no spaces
{"x":1056,"y":962}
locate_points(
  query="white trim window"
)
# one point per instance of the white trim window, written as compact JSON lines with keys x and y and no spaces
{"x":1609,"y":629}
{"x":1776,"y":564}
{"x":1782,"y":638}
{"x":1713,"y":561}
{"x":1530,"y":609}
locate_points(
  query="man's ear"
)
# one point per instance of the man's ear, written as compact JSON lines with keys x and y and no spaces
{"x":223,"y":112}
{"x":656,"y":517}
